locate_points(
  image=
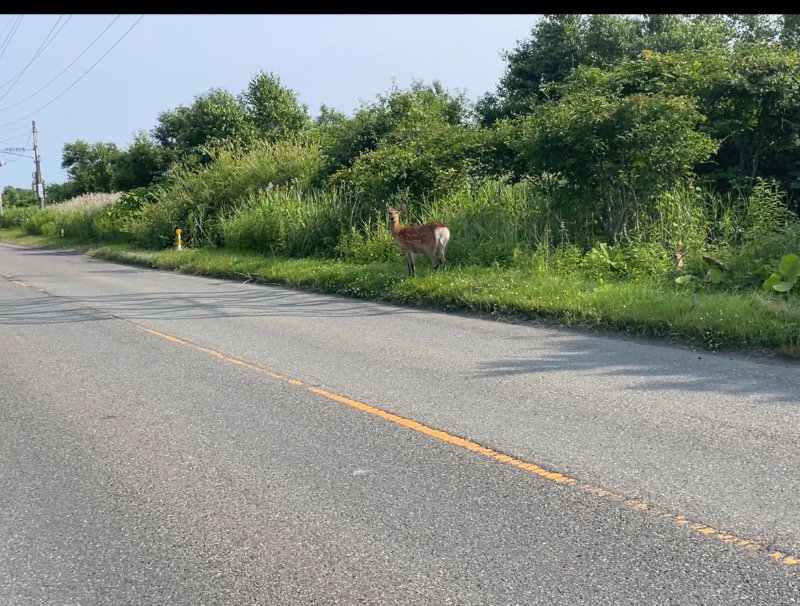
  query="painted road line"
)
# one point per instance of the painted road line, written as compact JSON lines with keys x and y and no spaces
{"x":787,"y":559}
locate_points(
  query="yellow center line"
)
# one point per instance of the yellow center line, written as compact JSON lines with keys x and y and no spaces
{"x":703,"y":529}
{"x":682,"y":521}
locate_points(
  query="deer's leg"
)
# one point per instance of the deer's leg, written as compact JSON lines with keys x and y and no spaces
{"x":432,"y":257}
{"x":411,"y":268}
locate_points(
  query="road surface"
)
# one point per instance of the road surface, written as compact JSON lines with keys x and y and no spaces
{"x":172,"y":439}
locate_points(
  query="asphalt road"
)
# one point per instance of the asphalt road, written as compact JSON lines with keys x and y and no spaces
{"x":170,"y":439}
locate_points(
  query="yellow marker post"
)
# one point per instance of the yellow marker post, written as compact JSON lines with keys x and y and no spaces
{"x":178,"y":233}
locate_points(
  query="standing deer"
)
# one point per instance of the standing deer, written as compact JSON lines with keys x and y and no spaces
{"x":430,"y":239}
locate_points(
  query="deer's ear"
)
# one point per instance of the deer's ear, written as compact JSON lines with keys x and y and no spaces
{"x":403,"y":207}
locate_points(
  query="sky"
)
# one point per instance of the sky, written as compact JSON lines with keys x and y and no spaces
{"x":106,"y":77}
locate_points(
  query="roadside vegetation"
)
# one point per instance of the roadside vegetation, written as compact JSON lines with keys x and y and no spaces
{"x":651,"y":188}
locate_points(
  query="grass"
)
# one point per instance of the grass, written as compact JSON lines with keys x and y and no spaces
{"x":755,"y":322}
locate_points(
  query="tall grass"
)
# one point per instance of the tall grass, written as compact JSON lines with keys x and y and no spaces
{"x":79,"y":217}
{"x":289,"y":222}
{"x":197,"y":200}
{"x":491,"y":223}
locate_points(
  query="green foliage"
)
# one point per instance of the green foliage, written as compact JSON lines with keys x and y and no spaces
{"x":787,"y":275}
{"x":603,"y":260}
{"x":40,"y":222}
{"x":60,"y":192}
{"x":288,"y":223}
{"x":491,"y":222}
{"x":90,"y":167}
{"x":371,"y":242}
{"x":273,"y":109}
{"x":196,"y":199}
{"x":619,"y":152}
{"x":425,"y":161}
{"x":562,"y":43}
{"x":418,"y":141}
{"x":567,"y":260}
{"x":18,"y":197}
{"x":767,"y":230}
{"x":790,"y":31}
{"x":141,"y":164}
{"x":103,"y":167}
{"x":215,"y":118}
{"x":748,"y":95}
{"x":17,"y":216}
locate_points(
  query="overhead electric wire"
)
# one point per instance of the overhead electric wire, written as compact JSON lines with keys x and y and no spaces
{"x":11,"y":132}
{"x":38,"y":52}
{"x":33,"y":113}
{"x":10,"y":20}
{"x":44,"y":45}
{"x":15,"y":138}
{"x":10,"y":36}
{"x":25,"y":147}
{"x":63,"y":70}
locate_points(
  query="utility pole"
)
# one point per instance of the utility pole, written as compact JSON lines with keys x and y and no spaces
{"x":38,"y":186}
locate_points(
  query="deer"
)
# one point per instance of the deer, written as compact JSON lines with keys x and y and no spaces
{"x":431,"y":239}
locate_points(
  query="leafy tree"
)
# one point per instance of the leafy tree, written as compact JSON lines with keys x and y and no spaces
{"x":142,"y":164}
{"x":790,"y":31}
{"x":274,"y":109}
{"x":421,"y":141}
{"x":214,"y":118}
{"x":617,"y":152}
{"x":17,"y":196}
{"x":90,"y":166}
{"x":59,"y":192}
{"x":754,"y":29}
{"x":561,"y":43}
{"x":553,"y":50}
{"x":751,"y":97}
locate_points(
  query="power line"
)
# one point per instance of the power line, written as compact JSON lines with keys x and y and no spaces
{"x":38,"y":52}
{"x":11,"y":132}
{"x":63,"y":70}
{"x":24,"y":148}
{"x":45,"y":44}
{"x":10,"y":36}
{"x":78,"y":80}
{"x":16,"y":138}
{"x":10,"y":20}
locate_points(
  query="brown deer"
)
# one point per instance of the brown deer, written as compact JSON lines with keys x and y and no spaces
{"x":430,"y":239}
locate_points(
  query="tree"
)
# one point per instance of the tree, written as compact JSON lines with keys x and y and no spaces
{"x":422,"y":141}
{"x":214,"y":118}
{"x":618,"y":152}
{"x":754,"y":29}
{"x":790,"y":31}
{"x":59,"y":192}
{"x":16,"y":196}
{"x":142,"y":164}
{"x":274,"y":109}
{"x":751,"y":96}
{"x":561,"y":43}
{"x":90,"y":166}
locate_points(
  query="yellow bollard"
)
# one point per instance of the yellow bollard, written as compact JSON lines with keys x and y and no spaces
{"x":178,"y":233}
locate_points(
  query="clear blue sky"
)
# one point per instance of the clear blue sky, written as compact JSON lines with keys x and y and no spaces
{"x":166,"y":60}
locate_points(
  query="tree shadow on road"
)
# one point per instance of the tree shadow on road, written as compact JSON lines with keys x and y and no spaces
{"x":650,"y":366}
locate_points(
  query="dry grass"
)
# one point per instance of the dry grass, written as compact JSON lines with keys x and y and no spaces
{"x":87,"y":202}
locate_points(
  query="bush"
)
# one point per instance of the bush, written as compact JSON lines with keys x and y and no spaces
{"x":288,"y":222}
{"x":197,"y":200}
